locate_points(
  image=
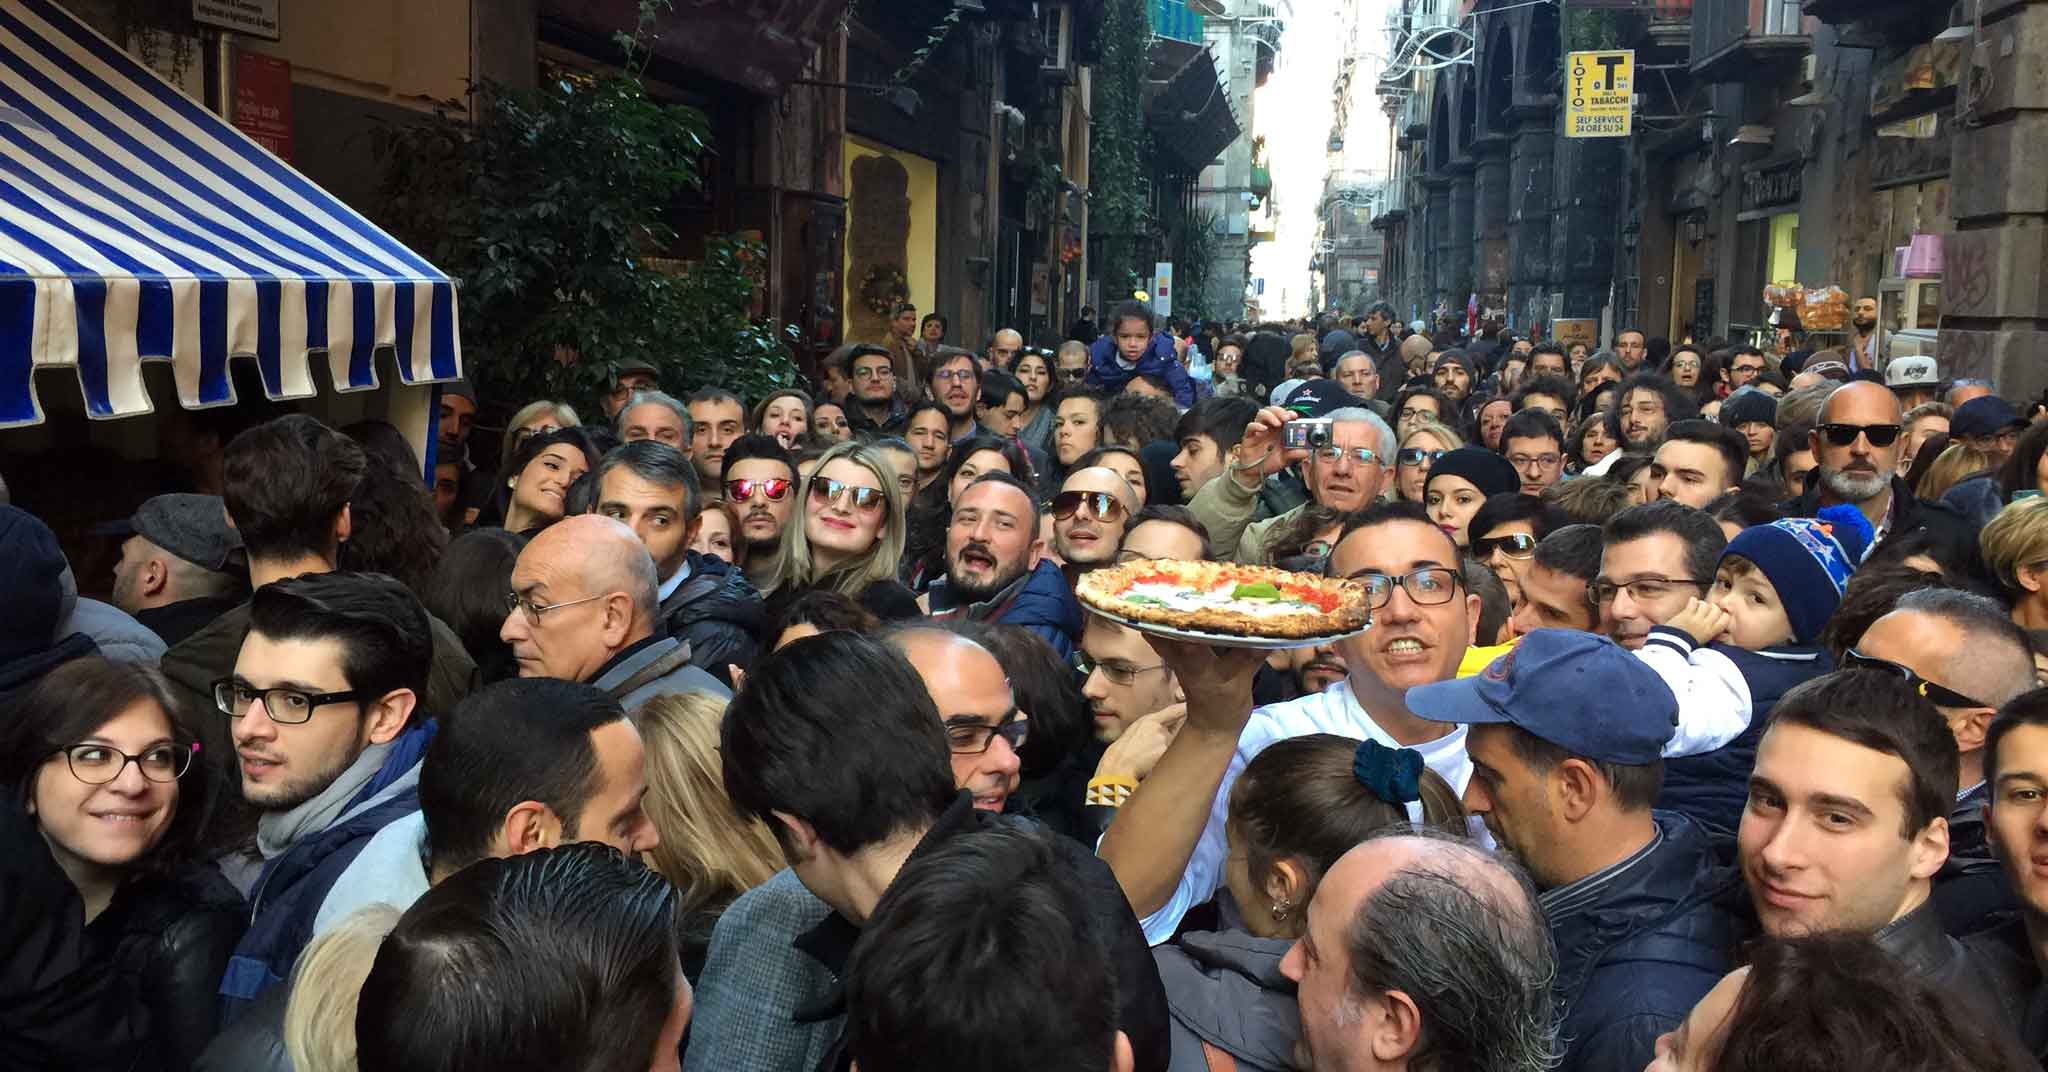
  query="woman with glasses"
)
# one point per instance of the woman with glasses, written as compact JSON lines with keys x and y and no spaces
{"x":924,"y":554}
{"x":1421,"y":445}
{"x":1226,"y":370}
{"x":785,"y":415}
{"x":1034,"y":371}
{"x":537,"y":418}
{"x":538,"y":478}
{"x":848,"y":538}
{"x":1505,"y":533}
{"x":1301,"y":804}
{"x":117,"y":931}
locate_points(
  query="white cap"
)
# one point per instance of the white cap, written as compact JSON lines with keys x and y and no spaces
{"x":1911,"y":372}
{"x":1286,"y":388}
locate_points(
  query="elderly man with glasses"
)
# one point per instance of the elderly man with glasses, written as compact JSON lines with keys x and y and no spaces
{"x":585,"y":607}
{"x":1347,"y":455}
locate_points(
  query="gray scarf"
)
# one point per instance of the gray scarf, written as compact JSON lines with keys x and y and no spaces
{"x":279,"y":831}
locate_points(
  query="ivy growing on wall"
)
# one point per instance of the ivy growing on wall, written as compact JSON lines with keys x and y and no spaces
{"x":1118,"y":146}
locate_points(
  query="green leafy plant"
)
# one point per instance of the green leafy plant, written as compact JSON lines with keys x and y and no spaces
{"x":550,"y":211}
{"x":1194,"y":243}
{"x":1118,"y":147}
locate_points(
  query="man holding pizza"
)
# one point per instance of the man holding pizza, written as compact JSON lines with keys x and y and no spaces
{"x":1166,"y":843}
{"x":1345,"y":473}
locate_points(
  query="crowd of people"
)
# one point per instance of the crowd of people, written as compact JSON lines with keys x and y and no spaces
{"x":1697,"y":725}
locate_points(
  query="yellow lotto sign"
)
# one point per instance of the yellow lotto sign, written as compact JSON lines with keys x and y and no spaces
{"x":1599,"y":94}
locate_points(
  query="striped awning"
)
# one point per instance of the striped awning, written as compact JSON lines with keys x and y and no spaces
{"x":136,"y":226}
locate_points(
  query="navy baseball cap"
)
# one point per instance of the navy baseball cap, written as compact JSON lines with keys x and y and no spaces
{"x":1581,"y":692}
{"x":1987,"y":415}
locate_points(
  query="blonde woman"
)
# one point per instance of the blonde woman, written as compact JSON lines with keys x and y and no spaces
{"x":708,"y":851}
{"x":1960,"y":460}
{"x":1425,"y":442}
{"x":2015,"y":547}
{"x":849,"y":537}
{"x":320,"y":1017}
{"x":537,"y":418}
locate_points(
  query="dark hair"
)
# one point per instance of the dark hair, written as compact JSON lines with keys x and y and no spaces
{"x":467,"y":592}
{"x":2017,"y":474}
{"x":1139,"y":419}
{"x":530,"y":448}
{"x":1043,"y":685}
{"x":856,"y":352}
{"x":1924,"y":457}
{"x":658,"y":464}
{"x":899,"y":308}
{"x":1001,"y":907}
{"x":284,"y":482}
{"x":931,"y":509}
{"x":858,"y":773}
{"x":386,"y":640}
{"x":1678,"y":405}
{"x":948,"y":355}
{"x":523,"y":739}
{"x":825,"y":609}
{"x":1387,"y":512}
{"x":997,"y":386}
{"x":1532,"y":424}
{"x":1176,"y":515}
{"x":1879,"y":711}
{"x":1511,"y":506}
{"x":1300,"y":800}
{"x":383,"y":442}
{"x":1696,"y":529}
{"x":928,"y":318}
{"x":755,"y":445}
{"x":1095,"y":455}
{"x":1717,"y":436}
{"x":721,"y":395}
{"x":1745,"y":506}
{"x":70,"y":703}
{"x":1550,"y":346}
{"x":1446,"y":413}
{"x":2027,"y":709}
{"x":1635,"y":785}
{"x":1873,"y":591}
{"x":1222,"y":420}
{"x":1573,"y":550}
{"x":582,"y":943}
{"x":1132,"y":310}
{"x":393,"y":527}
{"x":1494,"y":606}
{"x":1796,"y":437}
{"x":1828,"y":1001}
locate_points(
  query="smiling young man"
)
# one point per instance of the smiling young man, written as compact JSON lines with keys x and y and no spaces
{"x":1654,"y":559}
{"x":1166,"y":843}
{"x":996,"y":571}
{"x":2016,"y":820}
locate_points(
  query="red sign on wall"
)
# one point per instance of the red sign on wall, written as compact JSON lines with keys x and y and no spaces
{"x":263,"y":101}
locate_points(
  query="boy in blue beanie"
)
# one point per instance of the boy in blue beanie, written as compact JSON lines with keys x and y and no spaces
{"x":1729,"y":657}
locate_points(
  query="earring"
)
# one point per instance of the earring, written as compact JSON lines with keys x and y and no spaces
{"x":1280,"y":910}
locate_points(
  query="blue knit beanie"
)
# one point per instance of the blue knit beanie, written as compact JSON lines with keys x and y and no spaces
{"x":1808,"y":561}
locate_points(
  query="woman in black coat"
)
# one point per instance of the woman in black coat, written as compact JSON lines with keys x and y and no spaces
{"x":114,"y":937}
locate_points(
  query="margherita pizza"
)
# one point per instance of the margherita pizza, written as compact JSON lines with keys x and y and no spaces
{"x":1225,"y":598}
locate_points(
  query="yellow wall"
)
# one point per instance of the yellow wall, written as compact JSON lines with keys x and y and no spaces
{"x":1784,"y":263}
{"x":922,"y":250}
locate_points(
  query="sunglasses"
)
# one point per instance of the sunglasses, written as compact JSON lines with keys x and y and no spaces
{"x":828,"y":492}
{"x":1513,"y":545}
{"x":1101,"y":505}
{"x":1417,"y":455}
{"x":1841,"y":435}
{"x":739,"y":491}
{"x":1938,"y":695}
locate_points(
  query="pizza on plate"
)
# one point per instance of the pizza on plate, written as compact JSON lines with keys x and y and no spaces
{"x":1226,"y":598}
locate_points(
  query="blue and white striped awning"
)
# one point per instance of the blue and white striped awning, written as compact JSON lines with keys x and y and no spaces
{"x":136,"y":226}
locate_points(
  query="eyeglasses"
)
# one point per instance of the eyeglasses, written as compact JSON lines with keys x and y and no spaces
{"x":515,"y":601}
{"x":828,"y":492}
{"x":1101,"y":506}
{"x":1524,"y":461}
{"x":285,"y":706}
{"x":974,"y":738}
{"x":1841,"y":435}
{"x":1408,"y":414}
{"x":775,"y":488}
{"x":1417,"y":455}
{"x":1513,"y":545}
{"x":1642,"y":589}
{"x":1331,"y":455}
{"x":524,"y":434}
{"x":1117,"y":675}
{"x":955,"y":375}
{"x":874,"y":372}
{"x":98,"y":764}
{"x":1428,"y":587}
{"x":1939,"y":695}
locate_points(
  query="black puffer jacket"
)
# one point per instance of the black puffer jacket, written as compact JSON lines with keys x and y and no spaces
{"x":718,"y":612}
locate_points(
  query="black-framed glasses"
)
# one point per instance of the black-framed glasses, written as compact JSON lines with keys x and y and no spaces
{"x":1117,"y":675}
{"x":1429,"y":586}
{"x":974,"y":738}
{"x":1331,"y":455}
{"x":1544,"y":462}
{"x":826,"y":491}
{"x":955,"y":375}
{"x":1071,"y":375}
{"x":1841,"y":435}
{"x":1416,"y":456}
{"x":533,"y":608}
{"x":1101,"y":506}
{"x":874,"y":372}
{"x":1513,"y":545}
{"x":1642,"y":589}
{"x":774,"y":487}
{"x":98,"y":764}
{"x":286,"y":706}
{"x":1939,"y":695}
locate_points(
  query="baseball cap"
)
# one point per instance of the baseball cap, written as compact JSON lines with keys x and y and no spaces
{"x":193,"y":527}
{"x":1983,"y":416}
{"x":1581,"y":692}
{"x":1320,"y":398}
{"x":1286,"y":388}
{"x":1911,"y":372}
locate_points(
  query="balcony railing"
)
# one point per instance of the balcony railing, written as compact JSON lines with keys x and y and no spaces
{"x":1175,"y":19}
{"x":1424,"y":16}
{"x":1729,"y":37}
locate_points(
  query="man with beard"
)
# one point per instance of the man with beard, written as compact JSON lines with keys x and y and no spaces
{"x":760,"y":482}
{"x":955,"y":384}
{"x":1631,"y":346}
{"x":1646,"y":404}
{"x":1089,"y":518}
{"x":1856,"y":446}
{"x":1866,"y":342}
{"x":995,"y":571}
{"x":1166,"y":843}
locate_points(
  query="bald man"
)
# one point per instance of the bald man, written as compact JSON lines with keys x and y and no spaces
{"x":585,"y":608}
{"x":1003,"y":347}
{"x":1089,"y":516}
{"x":983,"y":726}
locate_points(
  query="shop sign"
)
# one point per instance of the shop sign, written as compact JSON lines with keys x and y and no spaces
{"x":1566,"y":332}
{"x":257,"y":18}
{"x":263,"y":101}
{"x":1775,"y":186}
{"x":1600,"y":94}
